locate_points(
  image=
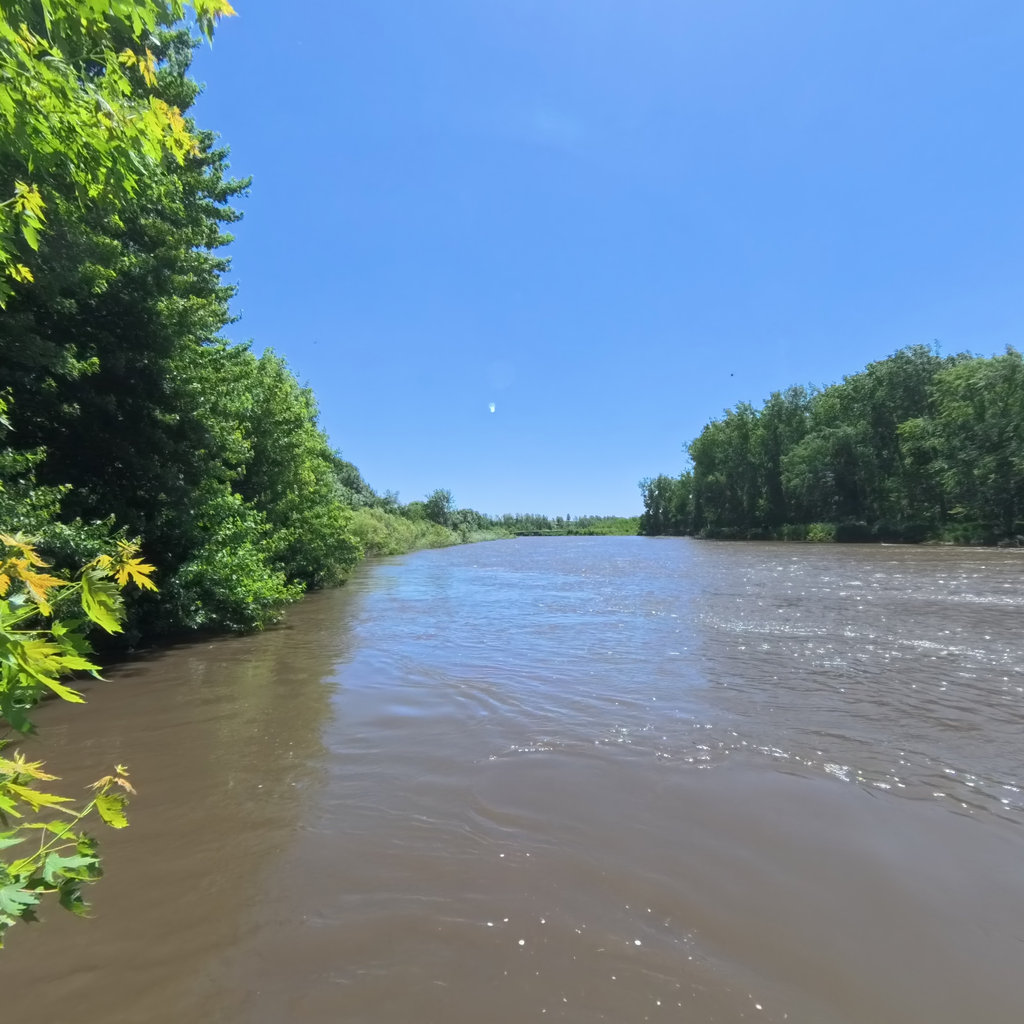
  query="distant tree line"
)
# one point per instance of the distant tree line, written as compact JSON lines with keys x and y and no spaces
{"x":582,"y":526}
{"x":916,"y":446}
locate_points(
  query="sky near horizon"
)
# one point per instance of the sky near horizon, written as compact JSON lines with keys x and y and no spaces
{"x":609,"y":220}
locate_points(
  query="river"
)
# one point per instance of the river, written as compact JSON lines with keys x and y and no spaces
{"x":577,"y":779}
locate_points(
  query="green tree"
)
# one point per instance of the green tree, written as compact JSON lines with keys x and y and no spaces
{"x":667,"y":503}
{"x":291,"y":476}
{"x":118,"y":373}
{"x":78,"y":114}
{"x":782,"y":424}
{"x":894,"y":451}
{"x":727,"y":485}
{"x":978,"y":434}
{"x":439,"y":507}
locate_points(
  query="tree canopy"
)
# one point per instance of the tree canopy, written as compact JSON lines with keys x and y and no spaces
{"x":914,"y":446}
{"x":80,"y":110}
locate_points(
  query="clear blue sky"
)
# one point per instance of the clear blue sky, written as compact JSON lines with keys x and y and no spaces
{"x":611,"y":219}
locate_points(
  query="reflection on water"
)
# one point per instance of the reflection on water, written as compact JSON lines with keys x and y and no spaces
{"x":569,"y":778}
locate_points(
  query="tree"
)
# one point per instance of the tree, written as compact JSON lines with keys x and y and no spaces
{"x":782,"y":424}
{"x":666,"y":505}
{"x":727,"y":483}
{"x":290,"y":475}
{"x":978,"y":435}
{"x":439,"y":507}
{"x":118,"y":373}
{"x":78,"y":112}
{"x":908,"y":446}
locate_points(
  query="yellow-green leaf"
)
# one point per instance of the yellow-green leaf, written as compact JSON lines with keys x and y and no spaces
{"x":28,"y":229}
{"x":35,"y":798}
{"x":101,"y":601}
{"x":111,"y":809}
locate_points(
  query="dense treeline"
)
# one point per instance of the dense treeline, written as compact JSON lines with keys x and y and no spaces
{"x":141,"y":421}
{"x":110,"y":207}
{"x":580,"y":526}
{"x":154,"y":478}
{"x":915,"y":447}
{"x":127,"y":414}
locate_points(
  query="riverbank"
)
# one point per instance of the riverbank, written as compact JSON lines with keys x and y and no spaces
{"x":379,"y":532}
{"x":604,"y":526}
{"x":964,"y":535}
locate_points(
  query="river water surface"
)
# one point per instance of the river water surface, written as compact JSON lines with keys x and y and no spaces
{"x":575,"y":779}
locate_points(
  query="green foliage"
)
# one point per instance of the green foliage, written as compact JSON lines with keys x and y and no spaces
{"x":821,"y":533}
{"x":78,"y":114}
{"x":667,"y":502}
{"x":112,"y":356}
{"x":898,"y":452}
{"x":381,"y":532}
{"x":34,"y":510}
{"x":977,"y":435}
{"x":37,"y":651}
{"x":793,"y":531}
{"x":604,"y":526}
{"x":144,"y":415}
{"x":531,"y":524}
{"x":231,"y":580}
{"x":293,"y":477}
{"x":438,"y":507}
{"x":385,"y":527}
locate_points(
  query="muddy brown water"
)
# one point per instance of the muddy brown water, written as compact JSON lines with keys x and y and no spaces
{"x":576,"y":779}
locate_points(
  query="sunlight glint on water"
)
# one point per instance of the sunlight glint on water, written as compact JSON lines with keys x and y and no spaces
{"x":583,"y":779}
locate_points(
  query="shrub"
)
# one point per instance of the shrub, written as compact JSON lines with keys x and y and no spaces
{"x":821,"y":533}
{"x":230,"y":581}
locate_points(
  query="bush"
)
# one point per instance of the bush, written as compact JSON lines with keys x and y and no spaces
{"x":386,"y":533}
{"x":231,"y":581}
{"x":821,"y":533}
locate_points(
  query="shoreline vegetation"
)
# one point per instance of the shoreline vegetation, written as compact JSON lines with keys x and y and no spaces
{"x":383,"y":532}
{"x":141,"y":449}
{"x":125,"y":415}
{"x":156,"y":479}
{"x":852,"y":533}
{"x":584,"y":526}
{"x":916,"y":448}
